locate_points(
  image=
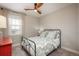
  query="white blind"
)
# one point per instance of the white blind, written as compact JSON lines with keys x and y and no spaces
{"x":15,"y":24}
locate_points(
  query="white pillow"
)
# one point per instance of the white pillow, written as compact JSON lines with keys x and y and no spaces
{"x":51,"y":34}
{"x":44,"y":34}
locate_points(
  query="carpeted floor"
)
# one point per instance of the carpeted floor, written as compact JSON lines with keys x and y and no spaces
{"x":17,"y":51}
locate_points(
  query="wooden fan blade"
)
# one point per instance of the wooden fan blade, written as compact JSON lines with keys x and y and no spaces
{"x":37,"y":5}
{"x":39,"y":11}
{"x":29,"y":9}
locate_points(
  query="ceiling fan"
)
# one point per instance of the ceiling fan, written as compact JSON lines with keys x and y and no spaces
{"x":36,"y":7}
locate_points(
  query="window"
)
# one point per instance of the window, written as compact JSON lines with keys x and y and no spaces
{"x":15,"y":24}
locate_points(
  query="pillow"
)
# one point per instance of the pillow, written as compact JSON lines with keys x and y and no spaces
{"x":51,"y":34}
{"x":44,"y":34}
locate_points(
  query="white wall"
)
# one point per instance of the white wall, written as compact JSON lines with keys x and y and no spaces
{"x":66,"y":20}
{"x":29,"y":24}
{"x":78,"y":25}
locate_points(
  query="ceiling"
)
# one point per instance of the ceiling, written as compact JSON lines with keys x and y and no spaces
{"x":46,"y":8}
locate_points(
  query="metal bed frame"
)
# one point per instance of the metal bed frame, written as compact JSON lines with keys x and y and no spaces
{"x":28,"y":40}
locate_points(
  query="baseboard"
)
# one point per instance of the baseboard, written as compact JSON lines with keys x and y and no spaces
{"x":71,"y":50}
{"x":14,"y":45}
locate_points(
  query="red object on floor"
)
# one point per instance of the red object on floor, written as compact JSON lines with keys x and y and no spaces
{"x":6,"y":47}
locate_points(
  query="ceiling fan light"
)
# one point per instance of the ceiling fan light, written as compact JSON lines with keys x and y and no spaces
{"x":35,"y":10}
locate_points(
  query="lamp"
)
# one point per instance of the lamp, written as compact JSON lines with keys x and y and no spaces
{"x":35,"y":10}
{"x":2,"y":22}
{"x":2,"y":18}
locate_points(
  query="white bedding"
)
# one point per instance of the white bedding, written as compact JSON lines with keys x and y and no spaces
{"x":43,"y":45}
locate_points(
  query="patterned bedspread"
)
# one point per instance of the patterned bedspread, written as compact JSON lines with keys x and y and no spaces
{"x":43,"y":45}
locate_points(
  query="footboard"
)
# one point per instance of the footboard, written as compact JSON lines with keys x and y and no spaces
{"x":24,"y":40}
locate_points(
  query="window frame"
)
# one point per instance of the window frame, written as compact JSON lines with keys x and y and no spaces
{"x":19,"y":30}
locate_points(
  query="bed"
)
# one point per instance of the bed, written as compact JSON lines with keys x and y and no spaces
{"x":48,"y":41}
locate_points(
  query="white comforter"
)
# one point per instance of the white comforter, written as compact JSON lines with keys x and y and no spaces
{"x":43,"y":45}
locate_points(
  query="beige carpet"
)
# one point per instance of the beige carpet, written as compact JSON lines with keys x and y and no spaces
{"x":62,"y":52}
{"x":17,"y":51}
